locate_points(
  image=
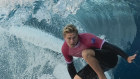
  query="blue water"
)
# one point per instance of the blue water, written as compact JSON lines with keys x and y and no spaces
{"x":31,"y":35}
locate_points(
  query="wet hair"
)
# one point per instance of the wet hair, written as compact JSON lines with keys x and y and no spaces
{"x":70,"y":28}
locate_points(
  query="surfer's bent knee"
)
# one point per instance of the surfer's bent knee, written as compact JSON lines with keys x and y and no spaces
{"x":77,"y":77}
{"x":88,"y":52}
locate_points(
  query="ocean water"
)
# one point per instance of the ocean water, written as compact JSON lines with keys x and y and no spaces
{"x":31,"y":35}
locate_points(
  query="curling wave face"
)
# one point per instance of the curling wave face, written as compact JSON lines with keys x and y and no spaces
{"x":31,"y":38}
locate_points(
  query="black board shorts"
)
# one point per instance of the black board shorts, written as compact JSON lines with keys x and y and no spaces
{"x":107,"y":59}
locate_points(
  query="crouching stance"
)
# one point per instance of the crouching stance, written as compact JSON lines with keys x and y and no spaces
{"x":99,"y":54}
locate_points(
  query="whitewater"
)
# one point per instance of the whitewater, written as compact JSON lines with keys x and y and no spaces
{"x":31,"y":33}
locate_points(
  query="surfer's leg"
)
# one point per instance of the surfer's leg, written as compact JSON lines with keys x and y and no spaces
{"x":77,"y":77}
{"x":106,"y":57}
{"x":89,"y":57}
{"x":87,"y":73}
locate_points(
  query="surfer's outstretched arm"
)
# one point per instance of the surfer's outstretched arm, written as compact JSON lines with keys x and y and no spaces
{"x":120,"y":52}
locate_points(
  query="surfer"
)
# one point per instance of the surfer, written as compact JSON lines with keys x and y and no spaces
{"x":98,"y":54}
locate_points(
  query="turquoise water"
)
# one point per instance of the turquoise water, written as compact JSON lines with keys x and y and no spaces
{"x":31,"y":35}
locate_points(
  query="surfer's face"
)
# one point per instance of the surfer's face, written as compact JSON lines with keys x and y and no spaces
{"x":71,"y":39}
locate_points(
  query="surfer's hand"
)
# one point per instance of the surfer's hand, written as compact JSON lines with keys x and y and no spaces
{"x":131,"y":58}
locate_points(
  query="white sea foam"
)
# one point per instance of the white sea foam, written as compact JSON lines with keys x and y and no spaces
{"x":37,"y":37}
{"x":66,"y":7}
{"x":12,"y":3}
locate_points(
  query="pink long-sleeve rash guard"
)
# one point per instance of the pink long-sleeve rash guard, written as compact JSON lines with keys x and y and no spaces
{"x":86,"y":40}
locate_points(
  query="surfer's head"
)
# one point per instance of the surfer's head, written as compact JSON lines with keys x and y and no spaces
{"x":70,"y":34}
